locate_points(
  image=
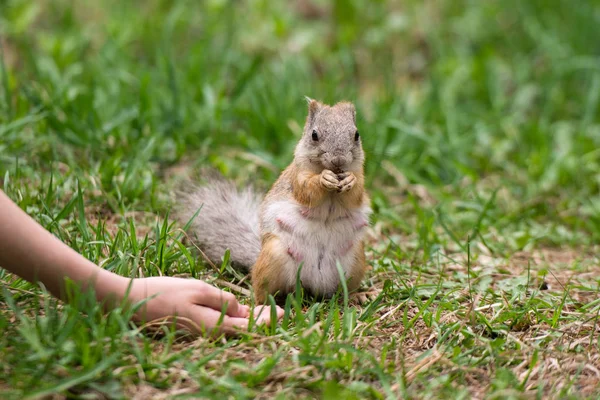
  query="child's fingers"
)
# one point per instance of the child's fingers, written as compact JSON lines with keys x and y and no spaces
{"x":212,"y":297}
{"x":262,"y":314}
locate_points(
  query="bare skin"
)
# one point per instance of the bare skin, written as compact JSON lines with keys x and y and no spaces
{"x":34,"y":254}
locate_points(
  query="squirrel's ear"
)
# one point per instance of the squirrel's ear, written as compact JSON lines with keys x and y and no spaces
{"x":313,"y":107}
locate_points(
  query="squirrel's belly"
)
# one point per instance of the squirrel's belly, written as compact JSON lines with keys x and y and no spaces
{"x":317,"y":244}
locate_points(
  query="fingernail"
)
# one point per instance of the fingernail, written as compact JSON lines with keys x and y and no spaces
{"x":243,"y":311}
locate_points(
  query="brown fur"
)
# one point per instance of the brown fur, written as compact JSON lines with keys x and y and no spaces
{"x":358,"y":270}
{"x":266,"y":271}
{"x":306,"y":187}
{"x":356,"y":196}
{"x":302,"y":182}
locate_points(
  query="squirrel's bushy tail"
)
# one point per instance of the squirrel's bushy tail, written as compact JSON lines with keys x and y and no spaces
{"x":228,"y":219}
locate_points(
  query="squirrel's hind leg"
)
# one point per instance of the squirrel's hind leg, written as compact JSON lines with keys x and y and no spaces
{"x":357,"y":273}
{"x":358,"y":269}
{"x":270,"y":272}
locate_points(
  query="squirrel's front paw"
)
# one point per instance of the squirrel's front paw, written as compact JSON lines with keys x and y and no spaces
{"x":329,"y":180}
{"x":347,"y":183}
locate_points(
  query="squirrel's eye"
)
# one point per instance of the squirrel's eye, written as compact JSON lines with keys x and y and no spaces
{"x":315,"y":137}
{"x":356,"y":136}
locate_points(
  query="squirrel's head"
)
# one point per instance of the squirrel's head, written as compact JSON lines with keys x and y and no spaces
{"x":330,"y":139}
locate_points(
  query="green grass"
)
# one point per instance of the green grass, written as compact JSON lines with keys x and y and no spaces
{"x":481,"y":124}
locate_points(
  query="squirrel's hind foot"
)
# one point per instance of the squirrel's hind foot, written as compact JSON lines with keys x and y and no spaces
{"x":363,"y":297}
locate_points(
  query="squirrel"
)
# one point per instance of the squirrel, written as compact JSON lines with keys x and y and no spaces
{"x":314,"y":215}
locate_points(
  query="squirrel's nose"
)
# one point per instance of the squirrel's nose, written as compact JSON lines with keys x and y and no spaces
{"x":338,"y":161}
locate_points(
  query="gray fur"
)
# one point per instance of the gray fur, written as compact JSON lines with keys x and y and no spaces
{"x":228,"y":219}
{"x":336,"y":148}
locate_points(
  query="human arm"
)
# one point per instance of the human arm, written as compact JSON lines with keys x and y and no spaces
{"x":34,"y":254}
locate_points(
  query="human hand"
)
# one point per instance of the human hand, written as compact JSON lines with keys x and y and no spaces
{"x":196,"y":304}
{"x":36,"y":255}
